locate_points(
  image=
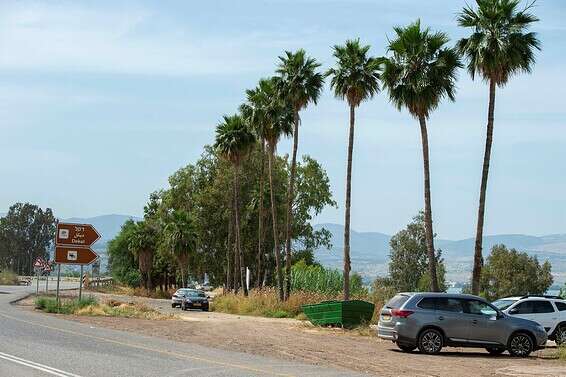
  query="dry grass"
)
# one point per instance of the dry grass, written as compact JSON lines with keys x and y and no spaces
{"x":91,"y":307}
{"x":8,"y":278}
{"x":265,"y":303}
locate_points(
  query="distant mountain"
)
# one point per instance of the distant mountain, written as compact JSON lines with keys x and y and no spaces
{"x":370,"y":251}
{"x":107,"y":225}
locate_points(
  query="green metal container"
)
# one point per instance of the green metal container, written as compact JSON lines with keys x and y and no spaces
{"x":339,"y":313}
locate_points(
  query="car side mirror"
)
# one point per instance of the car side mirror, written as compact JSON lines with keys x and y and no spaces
{"x":207,"y":296}
{"x":514,"y":311}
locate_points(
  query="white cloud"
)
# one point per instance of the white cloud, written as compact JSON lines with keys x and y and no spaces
{"x":67,"y":38}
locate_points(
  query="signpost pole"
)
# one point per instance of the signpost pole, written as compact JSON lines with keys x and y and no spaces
{"x":47,"y":284}
{"x":37,"y":283}
{"x":58,"y":279}
{"x":81,"y":284}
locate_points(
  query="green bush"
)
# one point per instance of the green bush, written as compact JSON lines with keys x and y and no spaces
{"x":315,"y":278}
{"x":132,"y":278}
{"x":49,"y":304}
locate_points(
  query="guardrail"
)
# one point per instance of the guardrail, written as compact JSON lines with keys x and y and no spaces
{"x":100,"y":282}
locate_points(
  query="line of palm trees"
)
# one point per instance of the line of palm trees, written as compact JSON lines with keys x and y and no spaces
{"x":418,"y":72}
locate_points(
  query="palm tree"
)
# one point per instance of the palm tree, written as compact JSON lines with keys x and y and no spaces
{"x":355,"y":79}
{"x":498,"y":48}
{"x":180,"y":239}
{"x":233,"y":142}
{"x":420,"y":72}
{"x":271,"y":118}
{"x":142,"y":244}
{"x":299,"y":85}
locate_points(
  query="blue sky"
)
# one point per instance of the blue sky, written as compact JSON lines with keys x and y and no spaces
{"x":101,"y":101}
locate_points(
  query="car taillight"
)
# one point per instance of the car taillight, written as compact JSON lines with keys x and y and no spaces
{"x":401,"y":313}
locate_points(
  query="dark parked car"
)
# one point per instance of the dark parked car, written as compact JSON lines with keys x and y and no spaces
{"x":177,"y":298}
{"x":430,"y":321}
{"x":195,"y":299}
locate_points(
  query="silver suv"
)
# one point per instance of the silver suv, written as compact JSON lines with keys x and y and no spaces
{"x":431,"y":321}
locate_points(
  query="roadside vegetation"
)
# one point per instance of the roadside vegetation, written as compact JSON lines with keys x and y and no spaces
{"x":8,"y":278}
{"x":242,"y":207}
{"x":90,"y":306}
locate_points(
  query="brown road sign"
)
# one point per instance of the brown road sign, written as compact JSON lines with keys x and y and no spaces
{"x":76,"y":234}
{"x":74,"y":255}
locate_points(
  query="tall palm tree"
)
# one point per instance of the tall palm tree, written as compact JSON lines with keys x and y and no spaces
{"x":419,"y":73}
{"x":233,"y":142}
{"x":299,"y":84}
{"x":180,"y":239}
{"x":355,"y":79}
{"x":499,"y":47}
{"x":270,"y":117}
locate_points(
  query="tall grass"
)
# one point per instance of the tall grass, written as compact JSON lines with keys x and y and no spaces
{"x":322,"y":280}
{"x":8,"y":277}
{"x":265,"y":303}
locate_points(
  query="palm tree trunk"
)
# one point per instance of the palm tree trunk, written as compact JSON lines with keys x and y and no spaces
{"x":290,"y":197}
{"x":235,"y":273}
{"x":260,"y":215}
{"x":238,"y":240}
{"x":229,"y":249}
{"x":274,"y":222}
{"x":429,"y":234}
{"x":347,"y":263}
{"x":478,"y":259}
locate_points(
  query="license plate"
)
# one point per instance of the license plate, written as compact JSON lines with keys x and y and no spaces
{"x":196,"y":304}
{"x":386,"y":317}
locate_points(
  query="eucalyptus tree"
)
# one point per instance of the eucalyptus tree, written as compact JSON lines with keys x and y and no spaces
{"x":499,"y":47}
{"x":271,"y":117}
{"x":234,"y":141}
{"x":354,"y":79}
{"x":418,"y":74}
{"x":300,"y":84}
{"x":179,"y":239}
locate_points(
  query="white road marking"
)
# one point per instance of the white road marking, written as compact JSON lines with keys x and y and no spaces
{"x":34,"y":365}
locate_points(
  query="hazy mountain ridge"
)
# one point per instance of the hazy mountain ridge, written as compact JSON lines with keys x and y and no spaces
{"x":370,"y":251}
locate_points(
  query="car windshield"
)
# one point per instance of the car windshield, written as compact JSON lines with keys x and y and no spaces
{"x":503,"y":304}
{"x":195,"y":294}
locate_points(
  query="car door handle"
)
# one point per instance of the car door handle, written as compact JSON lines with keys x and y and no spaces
{"x":441,"y":318}
{"x":474,"y":321}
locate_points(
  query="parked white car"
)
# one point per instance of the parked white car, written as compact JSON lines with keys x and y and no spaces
{"x":548,"y":311}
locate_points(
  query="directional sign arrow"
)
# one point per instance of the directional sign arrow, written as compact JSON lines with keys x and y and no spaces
{"x":74,"y":255}
{"x":76,"y":234}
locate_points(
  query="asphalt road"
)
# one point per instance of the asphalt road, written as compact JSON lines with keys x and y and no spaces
{"x":34,"y":344}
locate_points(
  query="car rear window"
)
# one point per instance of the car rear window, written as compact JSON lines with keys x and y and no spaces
{"x":542,"y":307}
{"x":397,"y":301}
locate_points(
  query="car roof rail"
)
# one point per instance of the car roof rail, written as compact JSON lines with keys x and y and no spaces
{"x":543,"y":296}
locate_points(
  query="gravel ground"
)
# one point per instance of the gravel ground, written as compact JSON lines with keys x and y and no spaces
{"x":290,"y":339}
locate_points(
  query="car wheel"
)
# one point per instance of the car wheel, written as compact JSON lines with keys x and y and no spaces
{"x":520,"y":345}
{"x":430,"y":341}
{"x":173,"y":305}
{"x":494,"y":351}
{"x":405,"y":348}
{"x":560,"y":337}
{"x":204,"y":309}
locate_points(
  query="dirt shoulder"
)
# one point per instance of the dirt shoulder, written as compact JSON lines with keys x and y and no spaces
{"x":299,"y":341}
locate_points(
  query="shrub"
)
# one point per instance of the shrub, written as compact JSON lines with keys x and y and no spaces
{"x":132,"y":278}
{"x":8,"y":278}
{"x":315,"y":278}
{"x":49,"y":304}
